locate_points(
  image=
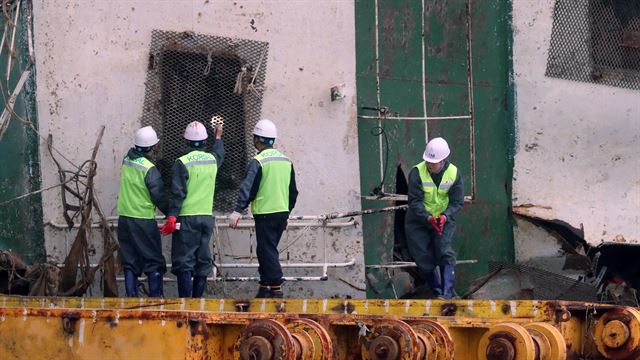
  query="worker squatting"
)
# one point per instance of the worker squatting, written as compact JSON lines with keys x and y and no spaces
{"x":435,"y":196}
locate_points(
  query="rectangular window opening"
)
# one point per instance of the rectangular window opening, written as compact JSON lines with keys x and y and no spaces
{"x":192,"y":77}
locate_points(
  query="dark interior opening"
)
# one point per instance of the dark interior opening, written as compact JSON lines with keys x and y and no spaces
{"x":196,"y":86}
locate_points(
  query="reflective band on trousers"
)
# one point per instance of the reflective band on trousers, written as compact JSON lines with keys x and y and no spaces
{"x":201,"y":184}
{"x":436,"y":199}
{"x":273,"y":193}
{"x":134,"y":199}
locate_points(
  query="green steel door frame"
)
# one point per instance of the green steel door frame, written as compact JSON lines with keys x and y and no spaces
{"x":436,"y":68}
{"x":21,"y":225}
{"x":384,"y":111}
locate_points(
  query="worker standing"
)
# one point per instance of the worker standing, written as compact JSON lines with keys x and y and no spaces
{"x":270,"y":187}
{"x":141,"y":191}
{"x":192,"y":192}
{"x":436,"y":194}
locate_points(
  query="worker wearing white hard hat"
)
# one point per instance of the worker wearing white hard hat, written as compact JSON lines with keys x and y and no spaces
{"x":141,"y":192}
{"x":436,"y":195}
{"x":270,"y":187}
{"x":193,"y":186}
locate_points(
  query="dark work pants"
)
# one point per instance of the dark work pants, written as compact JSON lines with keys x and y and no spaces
{"x":428,"y":249}
{"x":140,"y":245}
{"x":269,"y":230}
{"x":190,"y":245}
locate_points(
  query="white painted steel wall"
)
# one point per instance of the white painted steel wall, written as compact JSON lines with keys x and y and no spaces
{"x":577,"y":143}
{"x":91,"y":68}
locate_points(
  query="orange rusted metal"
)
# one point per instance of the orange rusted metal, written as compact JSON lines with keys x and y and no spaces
{"x":390,"y":339}
{"x":265,"y":339}
{"x":315,"y":342}
{"x":440,"y":343}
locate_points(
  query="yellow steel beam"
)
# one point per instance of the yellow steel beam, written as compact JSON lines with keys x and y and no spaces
{"x":311,"y":329}
{"x":529,"y":309}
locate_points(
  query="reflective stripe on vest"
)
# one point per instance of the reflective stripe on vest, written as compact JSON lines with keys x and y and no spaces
{"x":134,"y":199}
{"x":201,"y":184}
{"x":273,"y":193}
{"x":436,"y":199}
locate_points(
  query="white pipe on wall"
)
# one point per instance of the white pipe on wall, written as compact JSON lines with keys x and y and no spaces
{"x":243,"y":225}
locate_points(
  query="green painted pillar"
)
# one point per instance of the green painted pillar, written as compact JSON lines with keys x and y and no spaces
{"x":437,"y":63}
{"x":21,"y":227}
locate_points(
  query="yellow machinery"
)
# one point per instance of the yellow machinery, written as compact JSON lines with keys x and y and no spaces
{"x":257,"y":329}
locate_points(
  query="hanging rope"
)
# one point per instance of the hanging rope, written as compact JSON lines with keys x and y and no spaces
{"x":251,"y":88}
{"x":237,"y":89}
{"x":216,"y":245}
{"x":304,"y":231}
{"x":5,"y":11}
{"x":207,"y":69}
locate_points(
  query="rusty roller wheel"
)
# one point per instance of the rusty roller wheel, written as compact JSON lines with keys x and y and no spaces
{"x":311,"y":340}
{"x":265,"y":339}
{"x":548,"y":340}
{"x":506,"y":341}
{"x":438,"y":340}
{"x":391,"y":340}
{"x":617,"y":334}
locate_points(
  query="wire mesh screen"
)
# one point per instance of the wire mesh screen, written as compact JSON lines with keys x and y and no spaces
{"x":596,"y":41}
{"x":192,"y":77}
{"x":546,"y":285}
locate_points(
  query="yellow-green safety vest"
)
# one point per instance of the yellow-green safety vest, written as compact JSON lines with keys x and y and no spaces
{"x":201,"y":184}
{"x":273,"y":193}
{"x":436,"y":198}
{"x":134,"y":199}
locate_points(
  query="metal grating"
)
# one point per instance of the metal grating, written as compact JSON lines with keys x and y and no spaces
{"x":596,"y":41}
{"x":550,"y":286}
{"x":193,"y":77}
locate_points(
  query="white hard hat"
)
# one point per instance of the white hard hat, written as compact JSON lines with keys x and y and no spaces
{"x":195,"y":131}
{"x":145,"y":137}
{"x":266,"y":128}
{"x":436,"y":151}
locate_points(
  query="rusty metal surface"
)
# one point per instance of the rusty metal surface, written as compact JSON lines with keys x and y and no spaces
{"x":557,"y":347}
{"x":390,"y":339}
{"x":442,"y":347}
{"x":617,"y":334}
{"x":308,"y":328}
{"x":506,"y":341}
{"x":315,"y":341}
{"x":265,"y":339}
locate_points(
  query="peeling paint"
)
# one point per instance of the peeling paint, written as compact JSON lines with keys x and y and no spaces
{"x":104,"y":46}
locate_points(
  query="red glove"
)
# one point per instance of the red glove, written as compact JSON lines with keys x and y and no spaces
{"x":434,"y":223}
{"x":170,"y":226}
{"x":441,"y":220}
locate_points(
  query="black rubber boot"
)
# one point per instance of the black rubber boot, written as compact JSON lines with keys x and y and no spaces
{"x":130,"y":283}
{"x":155,"y":284}
{"x":263,"y":292}
{"x":433,"y":281}
{"x":185,"y":284}
{"x":448,"y":281}
{"x":199,"y":284}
